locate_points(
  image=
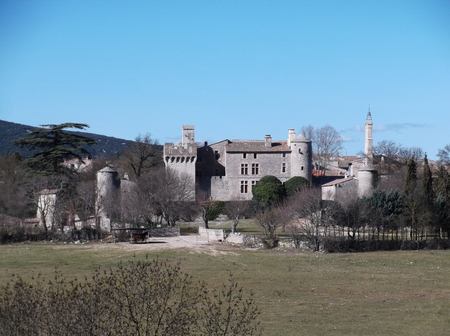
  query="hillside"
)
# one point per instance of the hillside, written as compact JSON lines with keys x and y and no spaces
{"x":106,"y":146}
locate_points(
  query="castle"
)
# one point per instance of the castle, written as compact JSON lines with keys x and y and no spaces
{"x":228,"y":169}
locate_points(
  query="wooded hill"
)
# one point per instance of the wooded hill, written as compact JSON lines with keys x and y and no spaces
{"x":106,"y":146}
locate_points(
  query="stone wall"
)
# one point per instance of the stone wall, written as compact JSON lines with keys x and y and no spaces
{"x":212,"y":234}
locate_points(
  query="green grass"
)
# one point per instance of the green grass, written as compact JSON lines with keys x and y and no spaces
{"x":380,"y":293}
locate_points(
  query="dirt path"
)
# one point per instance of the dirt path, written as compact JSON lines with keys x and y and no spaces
{"x":195,"y":243}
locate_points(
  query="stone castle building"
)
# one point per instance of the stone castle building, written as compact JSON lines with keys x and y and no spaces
{"x":228,"y":169}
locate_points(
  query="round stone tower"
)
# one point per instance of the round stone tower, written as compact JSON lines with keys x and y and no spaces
{"x":106,"y":186}
{"x":301,"y":157}
{"x":367,"y":180}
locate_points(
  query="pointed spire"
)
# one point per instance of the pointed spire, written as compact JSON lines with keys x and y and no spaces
{"x":369,"y":115}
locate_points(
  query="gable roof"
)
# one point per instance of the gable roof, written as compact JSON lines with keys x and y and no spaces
{"x":256,"y":146}
{"x":338,"y":181}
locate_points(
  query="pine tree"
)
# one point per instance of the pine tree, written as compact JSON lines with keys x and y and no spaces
{"x":52,"y":146}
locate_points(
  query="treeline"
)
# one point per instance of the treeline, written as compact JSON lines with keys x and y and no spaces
{"x":409,"y":209}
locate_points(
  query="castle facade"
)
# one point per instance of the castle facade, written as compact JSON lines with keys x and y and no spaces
{"x":228,"y":169}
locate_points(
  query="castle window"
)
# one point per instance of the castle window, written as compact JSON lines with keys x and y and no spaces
{"x":244,"y":187}
{"x":255,"y":155}
{"x":253,"y":183}
{"x":244,"y":155}
{"x":283,"y":155}
{"x":244,"y":169}
{"x":283,"y":167}
{"x":255,"y":168}
{"x":216,"y":155}
{"x":302,"y":168}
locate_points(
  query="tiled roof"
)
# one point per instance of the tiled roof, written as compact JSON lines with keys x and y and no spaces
{"x":338,"y":181}
{"x":256,"y":146}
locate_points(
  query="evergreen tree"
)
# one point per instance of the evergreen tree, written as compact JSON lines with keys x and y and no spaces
{"x":268,"y":190}
{"x":427,"y":182}
{"x":442,"y":183}
{"x":411,"y":176}
{"x":52,"y":146}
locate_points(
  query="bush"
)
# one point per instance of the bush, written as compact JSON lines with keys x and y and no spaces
{"x":140,"y":298}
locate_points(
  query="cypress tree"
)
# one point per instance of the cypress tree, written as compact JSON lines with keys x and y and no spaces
{"x":411,"y":176}
{"x":427,"y":182}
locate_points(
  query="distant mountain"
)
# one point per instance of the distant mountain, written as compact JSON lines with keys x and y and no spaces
{"x":106,"y":146}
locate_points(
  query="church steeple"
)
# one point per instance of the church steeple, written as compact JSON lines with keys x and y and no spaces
{"x":368,"y":144}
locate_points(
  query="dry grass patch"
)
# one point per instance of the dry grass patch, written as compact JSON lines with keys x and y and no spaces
{"x":379,"y":293}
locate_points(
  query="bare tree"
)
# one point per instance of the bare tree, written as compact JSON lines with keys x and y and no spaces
{"x":235,"y":210}
{"x":444,"y":155}
{"x":326,"y":143}
{"x":143,"y":155}
{"x":314,"y":216}
{"x":173,"y":193}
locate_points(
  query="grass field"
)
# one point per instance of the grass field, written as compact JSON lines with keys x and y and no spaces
{"x":382,"y":293}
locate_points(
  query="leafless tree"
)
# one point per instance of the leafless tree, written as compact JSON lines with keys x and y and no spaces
{"x":172,"y":193}
{"x":326,"y":143}
{"x":314,"y":216}
{"x":235,"y":210}
{"x":142,"y":156}
{"x":444,"y":155}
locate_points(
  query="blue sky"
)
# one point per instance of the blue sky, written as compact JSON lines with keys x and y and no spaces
{"x":234,"y":69}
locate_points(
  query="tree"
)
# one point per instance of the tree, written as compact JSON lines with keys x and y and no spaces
{"x":314,"y":217}
{"x":353,"y":216}
{"x":387,"y":154}
{"x":268,"y":190}
{"x":386,"y":208}
{"x":427,"y":182}
{"x":326,"y":143}
{"x":270,"y":219}
{"x":295,"y":184}
{"x":143,"y":155}
{"x":411,"y":176}
{"x":441,"y":205}
{"x":210,"y":210}
{"x":444,"y":155}
{"x":13,"y":198}
{"x":172,"y":193}
{"x":442,"y":183}
{"x":235,"y":210}
{"x":53,"y":146}
{"x":138,"y":298}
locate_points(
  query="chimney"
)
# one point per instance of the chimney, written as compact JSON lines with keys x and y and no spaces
{"x":291,"y":136}
{"x":268,"y":143}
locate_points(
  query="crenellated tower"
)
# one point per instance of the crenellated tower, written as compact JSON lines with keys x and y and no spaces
{"x":182,"y":156}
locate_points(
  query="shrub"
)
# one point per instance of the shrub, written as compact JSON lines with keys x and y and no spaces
{"x":140,"y":298}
